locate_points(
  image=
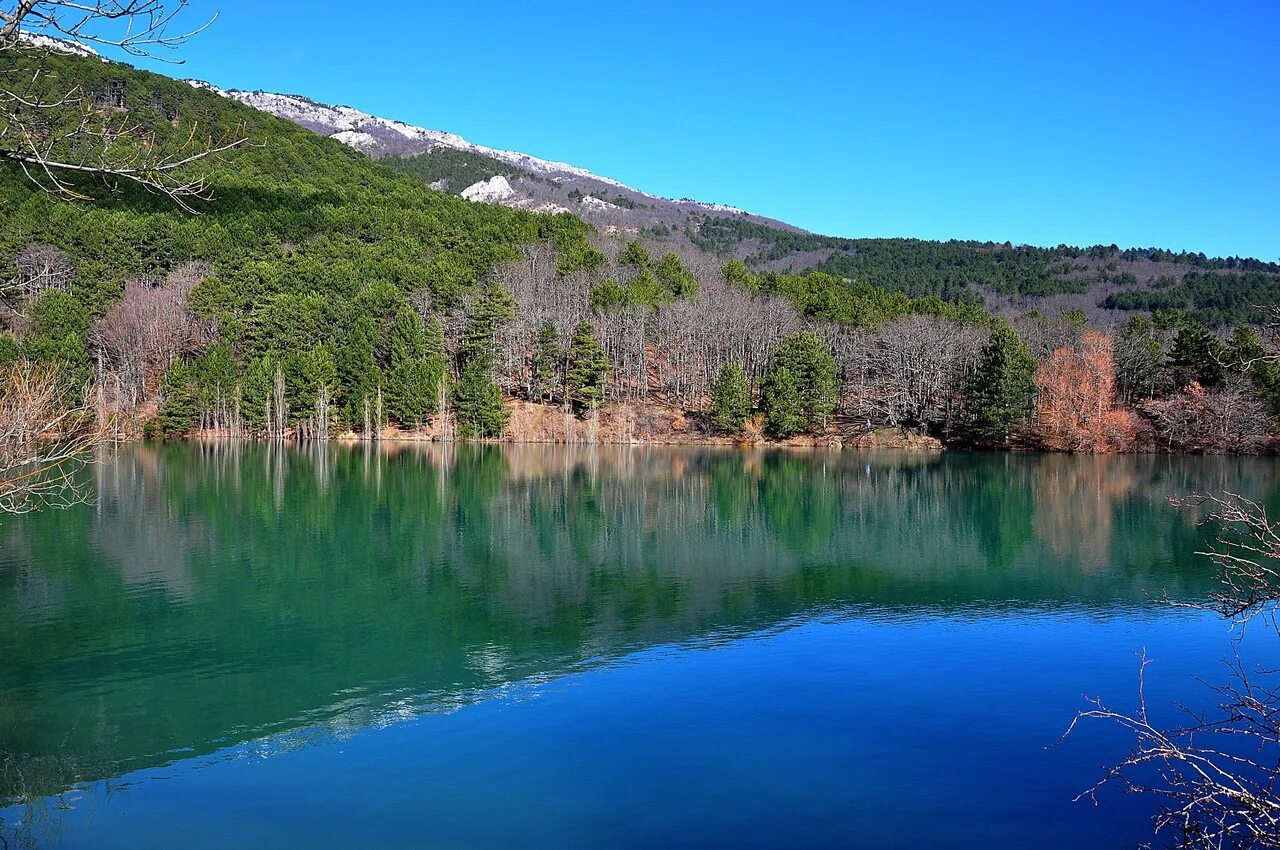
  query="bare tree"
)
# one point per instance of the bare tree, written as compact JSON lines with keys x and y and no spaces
{"x":45,"y":438}
{"x":1218,"y":775}
{"x":59,"y":137}
{"x":149,"y":328}
{"x":39,"y":269}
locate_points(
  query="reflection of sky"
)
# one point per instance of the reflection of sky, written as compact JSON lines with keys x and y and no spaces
{"x":907,"y":730}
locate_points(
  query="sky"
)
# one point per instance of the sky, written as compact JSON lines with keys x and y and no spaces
{"x":1136,"y":123}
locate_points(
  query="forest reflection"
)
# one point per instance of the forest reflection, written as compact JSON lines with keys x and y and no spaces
{"x":223,"y":592}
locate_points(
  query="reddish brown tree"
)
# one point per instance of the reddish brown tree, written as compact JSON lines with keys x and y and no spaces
{"x":1076,"y":407}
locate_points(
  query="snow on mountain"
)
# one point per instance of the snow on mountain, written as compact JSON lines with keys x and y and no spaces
{"x":59,"y":45}
{"x":541,"y":185}
{"x":356,"y":139}
{"x":592,"y":202}
{"x":495,"y":190}
{"x":338,"y":119}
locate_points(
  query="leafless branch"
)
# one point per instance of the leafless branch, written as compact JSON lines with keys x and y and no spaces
{"x":45,"y":438}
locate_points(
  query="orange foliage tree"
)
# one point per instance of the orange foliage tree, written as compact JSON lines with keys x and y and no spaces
{"x":1076,"y":407}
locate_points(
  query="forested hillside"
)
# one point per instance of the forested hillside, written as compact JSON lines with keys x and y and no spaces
{"x":319,"y":292}
{"x":1217,"y":291}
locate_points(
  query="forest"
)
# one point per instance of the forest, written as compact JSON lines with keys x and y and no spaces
{"x":318,"y":293}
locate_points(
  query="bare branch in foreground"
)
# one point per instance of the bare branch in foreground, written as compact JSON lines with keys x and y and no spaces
{"x":45,"y":439}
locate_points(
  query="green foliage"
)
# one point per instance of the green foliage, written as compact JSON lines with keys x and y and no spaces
{"x":411,"y":393}
{"x":358,"y":373}
{"x":1244,"y":351}
{"x":862,"y":305}
{"x":306,"y":374}
{"x":1214,"y":298}
{"x":587,"y":368}
{"x":635,"y":256}
{"x":1218,"y":290}
{"x":731,"y":399}
{"x":784,"y":414}
{"x":1001,"y":391}
{"x":547,"y":360}
{"x":178,"y":407}
{"x":675,"y":278}
{"x":800,"y":391}
{"x":57,"y":337}
{"x":455,"y":169}
{"x":737,"y":273}
{"x":309,"y":243}
{"x":477,"y":401}
{"x":494,"y":307}
{"x":9,"y":350}
{"x":1196,"y":356}
{"x":257,"y":392}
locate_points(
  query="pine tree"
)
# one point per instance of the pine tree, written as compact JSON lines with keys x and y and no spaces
{"x":1195,"y":356}
{"x":178,"y":409}
{"x":783,"y":408}
{"x":1002,"y":389}
{"x":587,"y":368}
{"x":677,"y":279}
{"x":731,"y":399}
{"x":477,"y":401}
{"x":801,"y":390}
{"x":493,"y":308}
{"x":437,"y":372}
{"x":256,"y":393}
{"x":635,"y":256}
{"x":358,"y":369}
{"x":547,"y":359}
{"x":411,"y":392}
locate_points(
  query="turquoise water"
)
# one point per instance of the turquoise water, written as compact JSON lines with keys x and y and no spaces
{"x":242,"y":646}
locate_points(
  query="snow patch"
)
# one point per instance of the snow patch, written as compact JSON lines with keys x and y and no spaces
{"x":355,"y":139}
{"x":203,"y":86}
{"x":594,"y":203}
{"x":495,"y":190}
{"x":302,"y":110}
{"x":549,"y":207}
{"x":725,"y":208}
{"x":58,"y":45}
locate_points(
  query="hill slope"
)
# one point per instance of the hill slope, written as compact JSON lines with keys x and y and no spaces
{"x":1103,"y":281}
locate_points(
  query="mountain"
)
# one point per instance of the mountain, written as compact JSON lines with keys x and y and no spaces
{"x":1104,"y":281}
{"x":450,"y":163}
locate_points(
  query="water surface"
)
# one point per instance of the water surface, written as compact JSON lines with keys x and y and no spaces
{"x":250,"y":646}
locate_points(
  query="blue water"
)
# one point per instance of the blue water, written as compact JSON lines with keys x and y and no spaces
{"x":655,"y":664}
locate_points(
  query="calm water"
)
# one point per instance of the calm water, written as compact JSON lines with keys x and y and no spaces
{"x":548,"y":647}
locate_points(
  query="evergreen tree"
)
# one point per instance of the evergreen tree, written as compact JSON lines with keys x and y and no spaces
{"x":259,"y":385}
{"x":1245,"y":352}
{"x":358,"y":369}
{"x":731,"y":399}
{"x":437,"y":371}
{"x":1002,"y":388}
{"x":801,"y":390}
{"x":309,"y":375}
{"x":783,"y":408}
{"x":677,"y":279}
{"x":477,"y":401}
{"x":411,"y":392}
{"x":588,"y":366}
{"x":547,"y":358}
{"x":9,"y":351}
{"x":1195,"y":356}
{"x":635,"y":256}
{"x":492,"y":309}
{"x":737,"y":273}
{"x":179,"y":407}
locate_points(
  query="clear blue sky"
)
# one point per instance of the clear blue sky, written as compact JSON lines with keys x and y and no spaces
{"x":1140,"y":123}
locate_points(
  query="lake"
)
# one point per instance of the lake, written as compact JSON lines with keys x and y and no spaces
{"x":480,"y":646}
